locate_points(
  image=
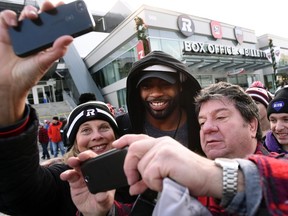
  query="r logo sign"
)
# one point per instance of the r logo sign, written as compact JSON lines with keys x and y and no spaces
{"x":186,"y":25}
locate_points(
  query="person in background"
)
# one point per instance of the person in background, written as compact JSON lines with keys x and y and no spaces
{"x":55,"y":136}
{"x":47,"y":125}
{"x":277,"y":113}
{"x":262,"y":99}
{"x":111,"y":108}
{"x":44,"y":140}
{"x":160,"y":92}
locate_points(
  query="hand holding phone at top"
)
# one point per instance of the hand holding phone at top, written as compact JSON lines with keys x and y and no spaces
{"x":33,"y":35}
{"x":19,"y":75}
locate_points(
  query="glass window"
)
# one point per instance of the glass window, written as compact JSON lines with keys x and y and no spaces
{"x":172,"y":47}
{"x":121,"y":94}
{"x":283,"y":58}
{"x":155,"y":44}
{"x":109,"y":74}
{"x":204,"y":80}
{"x":125,"y":62}
{"x":115,"y":70}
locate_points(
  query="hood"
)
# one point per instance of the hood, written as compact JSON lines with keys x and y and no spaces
{"x":190,"y":88}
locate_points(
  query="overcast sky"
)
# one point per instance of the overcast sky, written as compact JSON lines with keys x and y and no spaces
{"x":263,"y":16}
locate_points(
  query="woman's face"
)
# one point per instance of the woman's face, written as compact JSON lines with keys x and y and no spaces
{"x":96,"y":135}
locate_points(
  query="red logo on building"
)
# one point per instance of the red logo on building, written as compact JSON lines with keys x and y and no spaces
{"x":238,"y":34}
{"x":140,"y":49}
{"x":216,"y":29}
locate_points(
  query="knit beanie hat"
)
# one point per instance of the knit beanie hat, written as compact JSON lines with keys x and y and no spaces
{"x":280,"y":102}
{"x":259,"y":94}
{"x":86,"y":112}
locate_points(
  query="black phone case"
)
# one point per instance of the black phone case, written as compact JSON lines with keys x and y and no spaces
{"x":105,"y":172}
{"x":32,"y":36}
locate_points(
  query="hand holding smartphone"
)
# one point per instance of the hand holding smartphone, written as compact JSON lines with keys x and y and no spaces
{"x":32,"y":36}
{"x":105,"y":172}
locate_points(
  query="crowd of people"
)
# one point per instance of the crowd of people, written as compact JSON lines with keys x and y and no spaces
{"x":192,"y":151}
{"x":51,"y":137}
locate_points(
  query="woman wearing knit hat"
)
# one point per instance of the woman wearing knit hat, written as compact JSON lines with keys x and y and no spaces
{"x":261,"y":97}
{"x":76,"y":131}
{"x":277,"y":113}
{"x":91,"y":126}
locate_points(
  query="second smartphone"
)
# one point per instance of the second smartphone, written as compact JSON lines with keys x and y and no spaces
{"x":105,"y":172}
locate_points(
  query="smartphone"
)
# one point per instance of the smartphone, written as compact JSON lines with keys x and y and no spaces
{"x":105,"y":172}
{"x":32,"y":36}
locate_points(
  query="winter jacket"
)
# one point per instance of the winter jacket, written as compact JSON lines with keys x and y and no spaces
{"x":54,"y":132}
{"x":133,"y":122}
{"x":28,"y":189}
{"x":43,"y":135}
{"x":272,"y":144}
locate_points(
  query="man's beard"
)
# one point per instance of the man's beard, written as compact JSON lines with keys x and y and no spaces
{"x":162,"y":114}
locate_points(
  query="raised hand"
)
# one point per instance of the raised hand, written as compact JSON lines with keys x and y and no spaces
{"x":19,"y":75}
{"x":87,"y":203}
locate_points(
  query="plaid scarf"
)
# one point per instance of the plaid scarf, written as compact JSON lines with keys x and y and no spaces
{"x":274,"y":182}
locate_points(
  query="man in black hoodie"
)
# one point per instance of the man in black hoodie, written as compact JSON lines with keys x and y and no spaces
{"x":160,"y":100}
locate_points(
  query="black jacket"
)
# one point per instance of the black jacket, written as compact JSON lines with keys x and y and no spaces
{"x":134,"y":123}
{"x":26,"y":188}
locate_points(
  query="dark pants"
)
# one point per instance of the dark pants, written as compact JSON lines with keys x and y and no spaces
{"x":45,"y":152}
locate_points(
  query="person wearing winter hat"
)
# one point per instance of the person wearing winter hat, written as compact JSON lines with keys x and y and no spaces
{"x":92,"y":126}
{"x":262,"y":98}
{"x":277,"y":113}
{"x":85,"y":113}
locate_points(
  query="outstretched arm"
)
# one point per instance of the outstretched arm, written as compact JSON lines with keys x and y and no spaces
{"x":157,"y":158}
{"x":19,"y":75}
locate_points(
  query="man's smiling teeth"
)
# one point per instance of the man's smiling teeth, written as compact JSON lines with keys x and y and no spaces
{"x":157,"y":103}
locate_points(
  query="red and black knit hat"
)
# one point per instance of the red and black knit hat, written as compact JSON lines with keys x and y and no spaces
{"x":259,"y":94}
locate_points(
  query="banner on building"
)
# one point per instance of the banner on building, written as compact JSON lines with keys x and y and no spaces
{"x":277,"y":52}
{"x":236,"y":71}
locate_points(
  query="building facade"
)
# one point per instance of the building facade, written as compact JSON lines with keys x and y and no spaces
{"x":213,"y":51}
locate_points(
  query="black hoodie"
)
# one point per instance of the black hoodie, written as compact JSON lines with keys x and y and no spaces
{"x":136,"y":109}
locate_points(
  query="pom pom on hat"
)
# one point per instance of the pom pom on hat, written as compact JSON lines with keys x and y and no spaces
{"x":257,"y":84}
{"x":86,"y":112}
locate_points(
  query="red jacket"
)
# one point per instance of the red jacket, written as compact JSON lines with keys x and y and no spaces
{"x":54,"y":132}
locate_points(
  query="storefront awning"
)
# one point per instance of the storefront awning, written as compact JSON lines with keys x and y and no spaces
{"x":208,"y":64}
